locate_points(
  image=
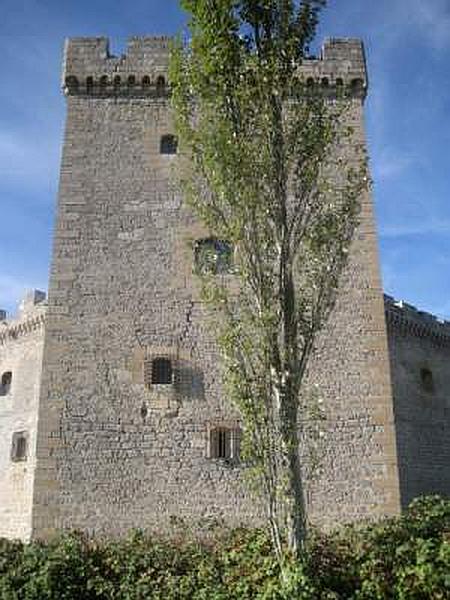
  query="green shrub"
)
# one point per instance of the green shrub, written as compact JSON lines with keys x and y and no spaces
{"x":404,"y":558}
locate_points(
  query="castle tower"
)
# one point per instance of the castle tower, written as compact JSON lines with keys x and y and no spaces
{"x":134,"y":428}
{"x":21,"y":345}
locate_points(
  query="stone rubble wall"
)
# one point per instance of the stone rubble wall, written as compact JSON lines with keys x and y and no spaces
{"x":420,"y":342}
{"x":114,"y":453}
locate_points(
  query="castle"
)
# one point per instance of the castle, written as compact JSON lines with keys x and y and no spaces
{"x":112,"y":414}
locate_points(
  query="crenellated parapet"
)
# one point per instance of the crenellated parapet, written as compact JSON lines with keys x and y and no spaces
{"x":90,"y":69}
{"x":31,"y":318}
{"x":341,"y":65}
{"x":408,"y":320}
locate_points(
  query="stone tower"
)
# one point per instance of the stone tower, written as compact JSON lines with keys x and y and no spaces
{"x":133,"y":426}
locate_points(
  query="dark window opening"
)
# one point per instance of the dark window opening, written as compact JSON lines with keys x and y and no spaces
{"x":325,"y":81}
{"x":131,"y":80}
{"x":146,"y":81}
{"x":89,"y":84}
{"x":103,"y":81}
{"x":162,"y":371}
{"x":160,"y":85}
{"x":5,"y":384}
{"x":19,"y":446}
{"x":339,"y":82}
{"x":357,"y":85}
{"x":310,"y":82}
{"x":213,"y":256}
{"x":117,"y":81}
{"x":168,"y":144}
{"x":72,"y":82}
{"x":225,"y":443}
{"x":426,"y":377}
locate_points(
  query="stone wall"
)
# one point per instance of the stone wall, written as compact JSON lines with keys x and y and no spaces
{"x":419,"y":348}
{"x":21,"y":345}
{"x":115,"y":453}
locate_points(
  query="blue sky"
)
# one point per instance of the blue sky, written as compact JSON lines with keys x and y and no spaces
{"x":407,"y":114}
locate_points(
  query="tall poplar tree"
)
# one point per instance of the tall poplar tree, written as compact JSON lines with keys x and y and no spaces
{"x":269,"y":166}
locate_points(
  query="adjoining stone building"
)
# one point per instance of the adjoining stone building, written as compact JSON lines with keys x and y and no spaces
{"x":130,"y":427}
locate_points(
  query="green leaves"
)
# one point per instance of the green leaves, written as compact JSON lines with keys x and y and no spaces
{"x":405,"y":558}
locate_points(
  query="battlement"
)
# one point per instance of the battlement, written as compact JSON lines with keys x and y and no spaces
{"x":32,"y":310}
{"x":89,"y":68}
{"x":410,"y":320}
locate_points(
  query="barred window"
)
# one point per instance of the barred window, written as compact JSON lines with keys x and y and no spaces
{"x":213,"y":256}
{"x":161,"y":371}
{"x":5,"y":383}
{"x":224,"y":443}
{"x":168,"y":144}
{"x":19,"y":446}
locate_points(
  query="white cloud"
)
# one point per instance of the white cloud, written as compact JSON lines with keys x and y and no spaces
{"x":390,"y":163}
{"x":432,"y":18}
{"x":430,"y":227}
{"x":28,"y":162}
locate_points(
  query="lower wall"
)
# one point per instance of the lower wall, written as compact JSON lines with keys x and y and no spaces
{"x":20,"y":353}
{"x":421,"y":407}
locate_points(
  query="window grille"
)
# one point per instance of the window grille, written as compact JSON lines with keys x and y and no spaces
{"x":160,"y":372}
{"x":224,"y":443}
{"x":213,"y":256}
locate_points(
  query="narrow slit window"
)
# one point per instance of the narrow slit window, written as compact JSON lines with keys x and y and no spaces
{"x":160,"y":85}
{"x":19,"y":446}
{"x":427,"y":380}
{"x":5,"y":383}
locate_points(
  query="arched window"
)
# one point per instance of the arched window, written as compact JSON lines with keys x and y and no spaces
{"x":160,"y":85}
{"x":427,"y":380}
{"x":357,"y":85}
{"x":325,"y":82}
{"x":116,"y":81}
{"x":339,"y":82}
{"x":19,"y":446}
{"x":5,"y":384}
{"x":310,"y":82}
{"x":168,"y":144}
{"x":89,"y":84}
{"x":146,"y":81}
{"x":161,"y":371}
{"x":213,"y":256}
{"x":72,"y":82}
{"x":103,"y":81}
{"x":131,"y":80}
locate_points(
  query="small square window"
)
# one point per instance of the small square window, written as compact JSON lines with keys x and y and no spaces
{"x":213,"y":256}
{"x":19,"y":446}
{"x":168,"y":144}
